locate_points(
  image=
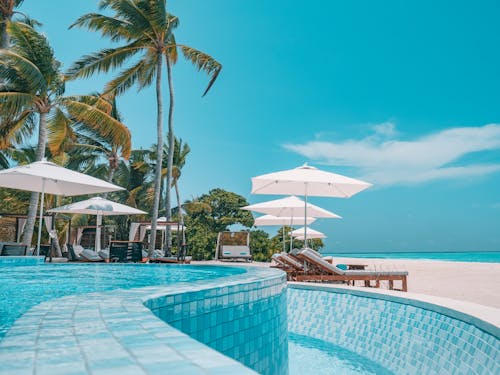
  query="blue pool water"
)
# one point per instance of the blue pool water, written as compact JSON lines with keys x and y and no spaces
{"x":485,"y":257}
{"x":23,"y":286}
{"x":311,"y":356}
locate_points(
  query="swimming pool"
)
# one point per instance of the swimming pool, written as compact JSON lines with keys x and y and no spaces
{"x":22,"y":287}
{"x":245,"y":313}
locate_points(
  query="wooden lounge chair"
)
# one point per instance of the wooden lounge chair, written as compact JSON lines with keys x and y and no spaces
{"x":328,"y":272}
{"x":290,"y":265}
{"x":14,"y":250}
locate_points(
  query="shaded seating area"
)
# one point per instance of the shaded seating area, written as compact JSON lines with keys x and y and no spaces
{"x":13,"y":249}
{"x":125,"y":252}
{"x":318,"y":269}
{"x":233,"y":246}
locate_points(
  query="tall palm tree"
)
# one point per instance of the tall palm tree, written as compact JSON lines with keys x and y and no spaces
{"x":32,"y":90}
{"x":146,"y":29}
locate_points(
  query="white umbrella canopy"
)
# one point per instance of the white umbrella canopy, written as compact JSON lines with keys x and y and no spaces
{"x":50,"y":178}
{"x":311,"y":233}
{"x":269,"y":220}
{"x":307,"y":181}
{"x":46,"y":177}
{"x":291,"y":207}
{"x":100,"y":207}
{"x":97,"y":206}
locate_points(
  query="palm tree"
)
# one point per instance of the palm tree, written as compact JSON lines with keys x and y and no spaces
{"x":32,"y":90}
{"x":6,"y":13}
{"x":146,"y":28}
{"x":179,"y":160}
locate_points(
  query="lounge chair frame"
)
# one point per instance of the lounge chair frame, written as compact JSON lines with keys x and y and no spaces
{"x":329,"y":273}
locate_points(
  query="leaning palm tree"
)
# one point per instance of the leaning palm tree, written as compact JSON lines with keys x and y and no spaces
{"x":32,"y":95}
{"x":146,"y":29}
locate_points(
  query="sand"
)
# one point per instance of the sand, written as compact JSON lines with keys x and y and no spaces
{"x":471,"y":282}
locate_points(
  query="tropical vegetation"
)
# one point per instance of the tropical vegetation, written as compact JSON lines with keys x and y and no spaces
{"x":87,"y":132}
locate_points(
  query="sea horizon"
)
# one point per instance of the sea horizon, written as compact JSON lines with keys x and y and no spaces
{"x":454,"y":256}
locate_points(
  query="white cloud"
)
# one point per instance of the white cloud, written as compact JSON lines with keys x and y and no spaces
{"x":391,"y":161}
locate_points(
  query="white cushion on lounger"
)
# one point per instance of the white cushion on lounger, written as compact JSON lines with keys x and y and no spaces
{"x":78,"y":249}
{"x":90,"y":255}
{"x":104,"y":254}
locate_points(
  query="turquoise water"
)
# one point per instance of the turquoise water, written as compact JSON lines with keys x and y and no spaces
{"x":22,"y":286}
{"x":312,"y":356}
{"x":485,"y":257}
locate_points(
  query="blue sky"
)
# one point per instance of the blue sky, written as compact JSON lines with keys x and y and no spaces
{"x":403,"y":94}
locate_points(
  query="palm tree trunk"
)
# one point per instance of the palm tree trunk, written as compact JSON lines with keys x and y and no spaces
{"x":4,"y":35}
{"x":159,"y":154}
{"x":181,"y":215}
{"x":170,"y":160}
{"x":40,"y":154}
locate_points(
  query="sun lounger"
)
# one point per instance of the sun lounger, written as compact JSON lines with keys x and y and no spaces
{"x":289,"y":264}
{"x":328,"y":272}
{"x":85,"y":256}
{"x":13,"y":250}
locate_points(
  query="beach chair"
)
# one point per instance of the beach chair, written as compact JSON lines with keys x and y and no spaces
{"x":85,"y":256}
{"x":329,"y":273}
{"x":14,"y":250}
{"x":294,"y":266}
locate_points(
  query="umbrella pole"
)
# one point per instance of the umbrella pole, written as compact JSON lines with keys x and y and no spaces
{"x":97,"y":244}
{"x":305,"y":216}
{"x":283,"y":237}
{"x":291,"y":237}
{"x":41,"y":219}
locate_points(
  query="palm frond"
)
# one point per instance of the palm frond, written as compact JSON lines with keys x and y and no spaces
{"x":101,"y":122}
{"x":142,"y":73}
{"x":203,"y":62}
{"x":34,"y":47}
{"x":103,"y":61}
{"x":13,"y":103}
{"x":20,"y":67}
{"x":60,"y":134}
{"x":16,"y":128}
{"x":111,"y":27}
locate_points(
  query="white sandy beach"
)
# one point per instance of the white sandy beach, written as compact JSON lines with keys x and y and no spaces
{"x":472,"y":282}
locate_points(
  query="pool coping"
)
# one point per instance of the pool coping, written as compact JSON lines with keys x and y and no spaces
{"x":114,"y":332}
{"x":483,"y":317}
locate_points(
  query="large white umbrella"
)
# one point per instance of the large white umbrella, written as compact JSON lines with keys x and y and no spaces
{"x":100,"y":207}
{"x":311,"y":233}
{"x":292,"y":207}
{"x":307,"y":181}
{"x":270,"y":220}
{"x":46,"y":177}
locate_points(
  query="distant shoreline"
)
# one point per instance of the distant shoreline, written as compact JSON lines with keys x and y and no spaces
{"x":451,"y":256}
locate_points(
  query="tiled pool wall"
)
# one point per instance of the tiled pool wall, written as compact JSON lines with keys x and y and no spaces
{"x":397,"y":333}
{"x":117,"y":332}
{"x":246,"y":322}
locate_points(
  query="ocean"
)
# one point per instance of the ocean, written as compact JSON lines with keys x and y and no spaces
{"x":476,"y":256}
